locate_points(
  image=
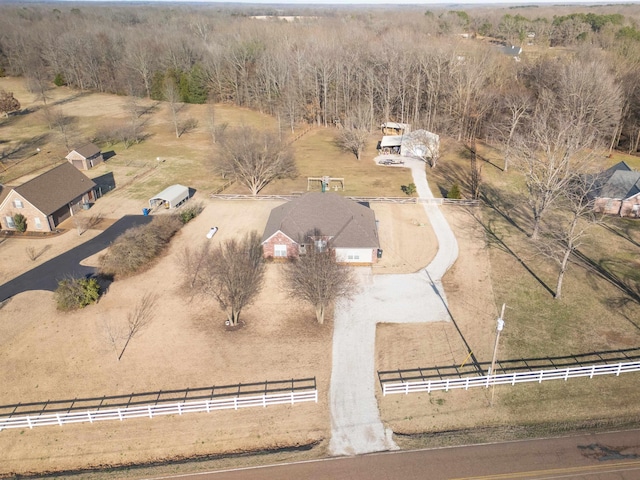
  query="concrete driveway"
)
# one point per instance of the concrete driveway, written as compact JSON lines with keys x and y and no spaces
{"x":355,"y":420}
{"x":47,"y":275}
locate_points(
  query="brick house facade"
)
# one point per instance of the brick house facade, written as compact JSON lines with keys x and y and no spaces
{"x":47,"y":200}
{"x":322,"y":220}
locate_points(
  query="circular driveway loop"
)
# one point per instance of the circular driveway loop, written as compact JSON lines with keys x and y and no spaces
{"x":419,"y":297}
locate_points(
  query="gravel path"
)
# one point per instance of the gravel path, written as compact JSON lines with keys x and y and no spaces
{"x":355,"y":420}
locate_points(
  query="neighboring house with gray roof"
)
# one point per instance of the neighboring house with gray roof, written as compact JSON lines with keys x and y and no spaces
{"x":48,"y":199}
{"x":85,"y":157}
{"x":618,"y":191}
{"x":321,"y":220}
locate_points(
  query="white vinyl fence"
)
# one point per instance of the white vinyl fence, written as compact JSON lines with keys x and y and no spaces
{"x":509,"y":378}
{"x":151,"y":411}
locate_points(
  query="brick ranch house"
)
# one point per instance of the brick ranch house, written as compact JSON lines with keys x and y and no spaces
{"x":618,"y":191}
{"x":85,"y":157}
{"x":47,"y":199}
{"x":322,"y":220}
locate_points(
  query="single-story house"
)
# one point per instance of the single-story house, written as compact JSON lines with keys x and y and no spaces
{"x":170,"y":197}
{"x":618,"y":191}
{"x":321,"y":220}
{"x":48,"y":199}
{"x":85,"y":157}
{"x":419,"y":143}
{"x":394,"y":128}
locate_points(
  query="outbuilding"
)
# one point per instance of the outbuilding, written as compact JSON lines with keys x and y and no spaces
{"x":170,"y":197}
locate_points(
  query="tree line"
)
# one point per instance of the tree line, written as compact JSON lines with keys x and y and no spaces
{"x":357,"y":68}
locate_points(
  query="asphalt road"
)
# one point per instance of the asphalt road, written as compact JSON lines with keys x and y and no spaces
{"x":47,"y":275}
{"x":586,"y":457}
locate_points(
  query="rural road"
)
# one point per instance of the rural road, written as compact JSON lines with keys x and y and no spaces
{"x":600,"y":456}
{"x":47,"y":275}
{"x":356,"y":427}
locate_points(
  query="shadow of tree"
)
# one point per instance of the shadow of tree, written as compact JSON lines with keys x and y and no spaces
{"x":494,"y":240}
{"x":508,"y":206}
{"x":622,"y":233}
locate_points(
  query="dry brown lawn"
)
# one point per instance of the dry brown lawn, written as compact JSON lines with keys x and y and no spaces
{"x":45,"y":354}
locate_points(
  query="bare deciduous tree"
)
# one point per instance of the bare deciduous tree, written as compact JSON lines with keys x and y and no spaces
{"x":553,"y":148}
{"x":191,"y":261}
{"x":568,"y":231}
{"x":137,"y":320}
{"x":317,"y":279}
{"x":172,"y":96}
{"x":353,"y":140}
{"x":255,"y":158}
{"x":232,"y":274}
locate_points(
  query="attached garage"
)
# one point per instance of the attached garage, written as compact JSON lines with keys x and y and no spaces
{"x":170,"y":197}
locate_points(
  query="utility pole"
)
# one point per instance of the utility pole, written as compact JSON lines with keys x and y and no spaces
{"x":499,"y":328}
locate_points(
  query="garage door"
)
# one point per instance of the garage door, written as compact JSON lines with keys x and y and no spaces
{"x":61,"y":215}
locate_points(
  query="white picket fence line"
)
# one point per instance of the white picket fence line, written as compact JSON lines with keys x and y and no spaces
{"x":509,"y":378}
{"x":151,"y":411}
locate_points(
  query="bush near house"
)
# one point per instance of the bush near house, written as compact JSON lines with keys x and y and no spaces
{"x":189,"y":212}
{"x":20,"y":221}
{"x":75,"y":293}
{"x":136,"y":247}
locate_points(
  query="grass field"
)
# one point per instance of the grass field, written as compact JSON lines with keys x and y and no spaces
{"x":498,"y":264}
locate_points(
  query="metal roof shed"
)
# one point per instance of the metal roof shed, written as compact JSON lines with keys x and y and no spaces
{"x":172,"y":196}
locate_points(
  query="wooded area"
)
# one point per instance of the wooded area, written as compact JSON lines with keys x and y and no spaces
{"x":441,"y":70}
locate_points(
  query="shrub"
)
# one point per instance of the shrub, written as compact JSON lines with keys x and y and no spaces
{"x":20,"y":222}
{"x":190,"y":212}
{"x":409,"y":189}
{"x":454,"y":192}
{"x":59,"y":80}
{"x":137,"y":246}
{"x":75,"y":293}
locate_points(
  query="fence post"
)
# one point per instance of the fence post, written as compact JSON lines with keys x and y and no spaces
{"x":541,"y":375}
{"x":235,"y":403}
{"x":619,"y":369}
{"x":29,"y":422}
{"x":466,"y":384}
{"x":315,"y":394}
{"x":566,"y":374}
{"x":207,"y":406}
{"x":179,"y":409}
{"x":446,"y":388}
{"x":593,"y":369}
{"x":58,"y":418}
{"x":89,"y":415}
{"x":120,"y":414}
{"x":150,"y":412}
{"x":513,"y":379}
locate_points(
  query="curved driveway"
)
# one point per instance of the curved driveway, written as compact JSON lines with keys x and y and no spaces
{"x":355,"y":420}
{"x":47,"y":275}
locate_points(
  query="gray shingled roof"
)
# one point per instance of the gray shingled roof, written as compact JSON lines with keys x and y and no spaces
{"x":55,"y":188}
{"x":350,"y":224}
{"x":88,"y":150}
{"x":622,"y":184}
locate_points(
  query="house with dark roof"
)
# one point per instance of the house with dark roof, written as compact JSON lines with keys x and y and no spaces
{"x":617,"y":191}
{"x":85,"y":157}
{"x":322,"y":220}
{"x":47,"y":200}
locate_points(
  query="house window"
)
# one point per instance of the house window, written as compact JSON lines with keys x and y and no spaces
{"x":37,"y":222}
{"x":10,"y":222}
{"x":353,"y":257}
{"x":302,"y":249}
{"x":18,"y":203}
{"x":320,"y":245}
{"x":279,"y":250}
